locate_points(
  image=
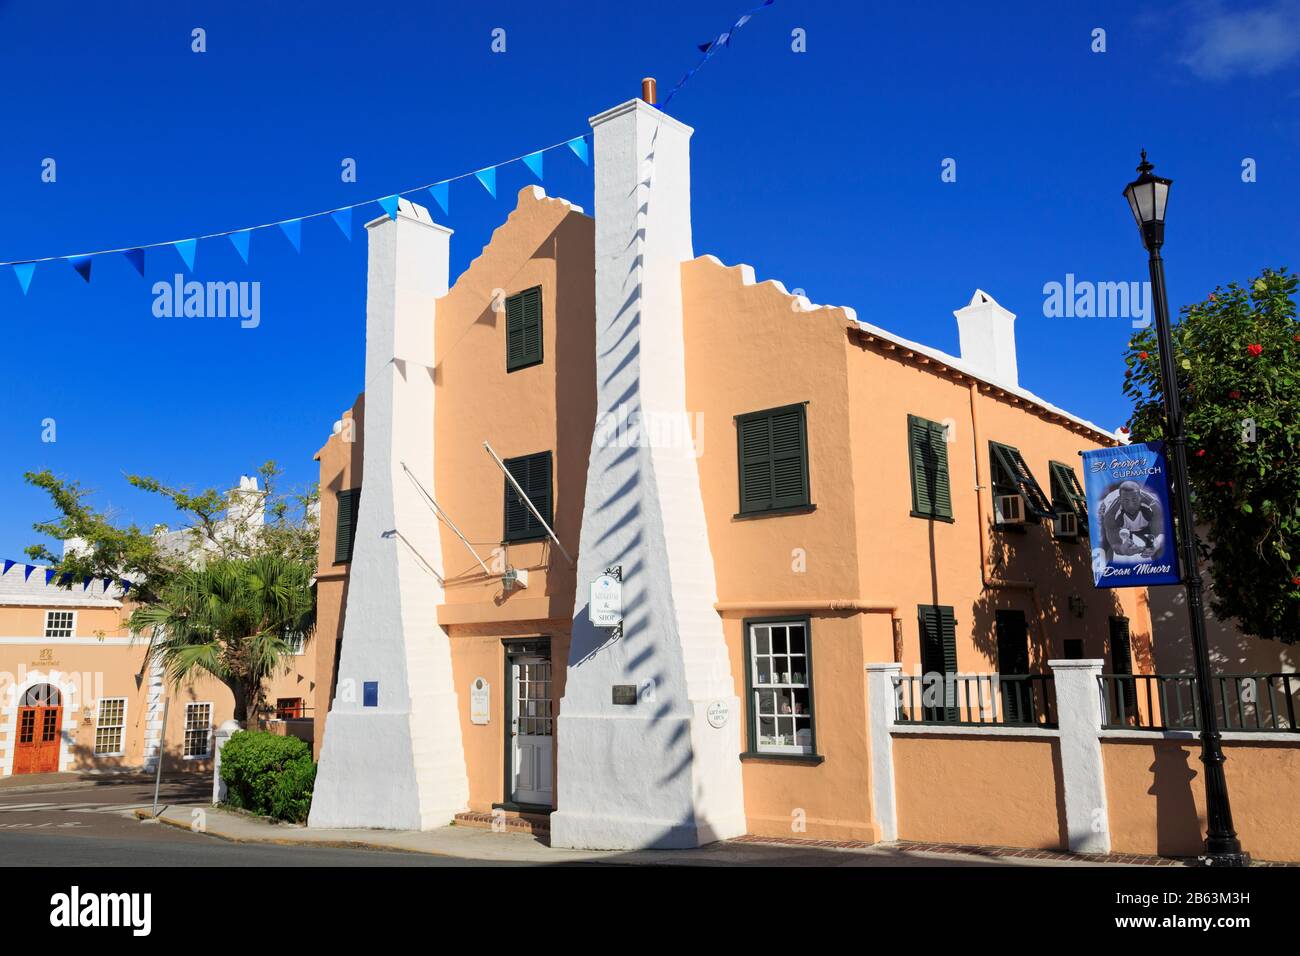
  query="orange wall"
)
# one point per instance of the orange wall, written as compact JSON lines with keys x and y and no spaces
{"x":830,"y":800}
{"x":340,"y":470}
{"x":546,"y":407}
{"x":918,"y":561}
{"x":110,"y":670}
{"x":991,"y":791}
{"x":479,"y":651}
{"x":1156,"y":796}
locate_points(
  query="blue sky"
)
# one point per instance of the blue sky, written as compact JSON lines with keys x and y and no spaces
{"x":821,"y":169}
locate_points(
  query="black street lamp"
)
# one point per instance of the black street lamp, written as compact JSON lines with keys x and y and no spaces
{"x":1147,"y":196}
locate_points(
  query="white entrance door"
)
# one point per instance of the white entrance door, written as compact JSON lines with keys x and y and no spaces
{"x":531,"y":730}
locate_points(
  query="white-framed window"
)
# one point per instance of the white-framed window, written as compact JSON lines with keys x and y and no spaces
{"x":780,"y":682}
{"x":198,"y":731}
{"x":109,"y":726}
{"x":60,"y":623}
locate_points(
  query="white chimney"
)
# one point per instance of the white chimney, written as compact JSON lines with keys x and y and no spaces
{"x":646,"y":768}
{"x":392,"y":755}
{"x":988,"y":339}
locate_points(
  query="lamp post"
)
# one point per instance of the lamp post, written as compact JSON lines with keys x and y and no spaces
{"x":1148,"y":196}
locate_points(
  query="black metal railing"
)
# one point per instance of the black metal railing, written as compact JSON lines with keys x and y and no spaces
{"x":1247,"y":702}
{"x":975,"y":700}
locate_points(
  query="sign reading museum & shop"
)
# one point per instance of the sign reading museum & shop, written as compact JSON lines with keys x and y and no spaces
{"x":1129,"y":521}
{"x":605,"y":605}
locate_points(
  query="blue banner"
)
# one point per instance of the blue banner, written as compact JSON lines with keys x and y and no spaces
{"x":1129,"y":520}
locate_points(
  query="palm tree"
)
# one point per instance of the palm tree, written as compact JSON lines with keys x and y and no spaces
{"x":234,"y":618}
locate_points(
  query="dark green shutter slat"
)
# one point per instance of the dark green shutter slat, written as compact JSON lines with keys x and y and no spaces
{"x":755,"y":464}
{"x":1121,"y":661}
{"x":773,"y":453}
{"x":345,"y":527}
{"x":524,"y":328}
{"x":928,"y":449}
{"x":788,"y":460}
{"x":533,"y":472}
{"x":1013,"y":659}
{"x":938,"y":628}
{"x":1013,"y":465}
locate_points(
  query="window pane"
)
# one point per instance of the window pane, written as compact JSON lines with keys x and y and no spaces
{"x":797,"y":639}
{"x":778,"y":640}
{"x":762,"y":640}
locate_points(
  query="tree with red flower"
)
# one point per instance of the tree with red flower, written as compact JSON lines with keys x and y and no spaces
{"x":1245,"y":474}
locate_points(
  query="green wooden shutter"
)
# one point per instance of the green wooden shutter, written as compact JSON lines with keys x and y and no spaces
{"x":1013,"y":466}
{"x":938,"y":628}
{"x":1121,"y":662}
{"x":773,"y":455}
{"x":524,"y":329}
{"x":345,"y":528}
{"x":1013,"y":660}
{"x":1067,"y":495}
{"x":533,"y":472}
{"x":928,"y":450}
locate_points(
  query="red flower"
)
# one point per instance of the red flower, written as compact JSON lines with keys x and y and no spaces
{"x":1255,"y":349}
{"x":1200,"y":453}
{"x":1234,"y":394}
{"x":1143,"y":356}
{"x":1296,"y":582}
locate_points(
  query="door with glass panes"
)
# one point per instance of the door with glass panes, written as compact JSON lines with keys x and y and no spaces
{"x":532,"y":731}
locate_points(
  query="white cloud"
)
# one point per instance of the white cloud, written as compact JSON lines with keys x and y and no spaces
{"x":1222,"y":43}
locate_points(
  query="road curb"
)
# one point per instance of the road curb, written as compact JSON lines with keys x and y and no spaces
{"x":147,"y":816}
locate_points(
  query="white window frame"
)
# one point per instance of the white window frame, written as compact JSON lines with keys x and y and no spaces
{"x":71,"y":628}
{"x":298,"y":645}
{"x":758,"y":687}
{"x":119,"y":727}
{"x":186,"y":728}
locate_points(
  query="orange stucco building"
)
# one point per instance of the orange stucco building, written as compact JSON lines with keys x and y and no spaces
{"x":79,"y":692}
{"x":787,"y":493}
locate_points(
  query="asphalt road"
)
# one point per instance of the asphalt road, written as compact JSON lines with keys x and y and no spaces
{"x":96,"y":827}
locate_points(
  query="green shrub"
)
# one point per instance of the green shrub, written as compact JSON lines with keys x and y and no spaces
{"x":291,"y":796}
{"x":268,"y":774}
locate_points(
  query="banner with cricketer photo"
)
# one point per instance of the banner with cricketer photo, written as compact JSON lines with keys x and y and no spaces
{"x":1129,"y":520}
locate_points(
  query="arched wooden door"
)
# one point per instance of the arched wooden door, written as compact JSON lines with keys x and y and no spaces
{"x":40,"y":715}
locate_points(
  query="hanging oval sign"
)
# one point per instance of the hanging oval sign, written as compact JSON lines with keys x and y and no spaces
{"x":605,"y":606}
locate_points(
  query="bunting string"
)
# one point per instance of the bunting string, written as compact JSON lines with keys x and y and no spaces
{"x":292,"y":227}
{"x":64,"y":579}
{"x":712,"y":46}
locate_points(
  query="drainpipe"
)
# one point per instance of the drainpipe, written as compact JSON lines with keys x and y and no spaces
{"x":981,"y":483}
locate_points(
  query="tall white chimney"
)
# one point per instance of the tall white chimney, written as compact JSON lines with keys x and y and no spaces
{"x":988,"y":339}
{"x":392,"y":755}
{"x":656,"y":771}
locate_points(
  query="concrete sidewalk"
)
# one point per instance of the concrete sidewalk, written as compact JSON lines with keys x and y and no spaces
{"x":475,"y":844}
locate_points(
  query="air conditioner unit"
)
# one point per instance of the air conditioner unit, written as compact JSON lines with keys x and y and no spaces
{"x":1066,"y":525}
{"x":1011,"y":509}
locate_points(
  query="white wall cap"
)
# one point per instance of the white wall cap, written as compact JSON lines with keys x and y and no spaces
{"x":641,"y":105}
{"x":1089,"y":663}
{"x":413,"y":212}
